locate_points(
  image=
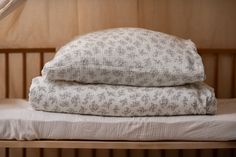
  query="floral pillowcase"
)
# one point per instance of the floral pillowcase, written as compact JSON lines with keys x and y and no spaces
{"x":127,"y":56}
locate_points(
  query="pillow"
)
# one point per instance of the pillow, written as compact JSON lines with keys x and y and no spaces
{"x":127,"y":56}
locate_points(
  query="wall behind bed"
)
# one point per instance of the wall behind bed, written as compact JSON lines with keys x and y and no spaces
{"x":51,"y":23}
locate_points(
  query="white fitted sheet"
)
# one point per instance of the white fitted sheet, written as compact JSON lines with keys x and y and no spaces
{"x":19,"y":121}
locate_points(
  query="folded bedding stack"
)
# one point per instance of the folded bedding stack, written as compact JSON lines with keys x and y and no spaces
{"x":124,"y":72}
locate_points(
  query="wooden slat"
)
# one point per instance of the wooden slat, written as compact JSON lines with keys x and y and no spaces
{"x":190,"y":153}
{"x":2,"y":152}
{"x":116,"y":144}
{"x":172,"y":153}
{"x":2,"y":78}
{"x":207,"y":152}
{"x":32,"y":68}
{"x":225,"y":75}
{"x":24,"y":79}
{"x":41,"y":60}
{"x":51,"y":152}
{"x":216,"y":74}
{"x":136,"y":153}
{"x":86,"y":153}
{"x":15,"y":75}
{"x":119,"y":153}
{"x":7,"y":75}
{"x":68,"y":153}
{"x":102,"y":153}
{"x":234,"y":77}
{"x":32,"y":152}
{"x":154,"y":153}
{"x":16,"y":152}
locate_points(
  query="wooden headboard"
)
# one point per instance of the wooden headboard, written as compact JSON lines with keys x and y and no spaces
{"x":19,"y":66}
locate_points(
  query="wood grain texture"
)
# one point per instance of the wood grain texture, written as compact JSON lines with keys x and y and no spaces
{"x":68,"y":152}
{"x":15,"y":76}
{"x":13,"y":152}
{"x":225,"y":76}
{"x":34,"y":152}
{"x":32,"y":68}
{"x":209,"y":23}
{"x":95,"y":15}
{"x":2,"y":78}
{"x":86,"y":153}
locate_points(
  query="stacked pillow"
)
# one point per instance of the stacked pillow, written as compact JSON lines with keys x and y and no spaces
{"x":124,"y":72}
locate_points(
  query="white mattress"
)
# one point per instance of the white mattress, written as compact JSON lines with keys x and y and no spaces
{"x":19,"y":121}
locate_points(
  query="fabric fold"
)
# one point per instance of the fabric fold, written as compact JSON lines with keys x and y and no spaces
{"x":111,"y":100}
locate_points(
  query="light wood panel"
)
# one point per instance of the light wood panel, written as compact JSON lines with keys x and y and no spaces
{"x":209,"y":23}
{"x":13,"y":152}
{"x":32,"y":68}
{"x":15,"y":77}
{"x":119,"y":153}
{"x":2,"y":78}
{"x":225,"y":76}
{"x":86,"y":153}
{"x":34,"y":152}
{"x":69,"y":152}
{"x":101,"y":14}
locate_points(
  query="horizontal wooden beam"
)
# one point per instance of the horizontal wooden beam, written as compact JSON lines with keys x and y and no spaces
{"x":216,"y":51}
{"x":36,"y":50}
{"x":115,"y":144}
{"x":27,"y":50}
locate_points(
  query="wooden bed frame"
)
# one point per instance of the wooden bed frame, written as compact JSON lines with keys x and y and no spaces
{"x":216,"y":61}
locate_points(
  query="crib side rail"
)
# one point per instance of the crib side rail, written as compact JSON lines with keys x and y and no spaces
{"x":21,"y":54}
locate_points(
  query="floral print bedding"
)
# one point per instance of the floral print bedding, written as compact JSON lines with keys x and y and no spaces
{"x":112,"y":100}
{"x":127,"y":56}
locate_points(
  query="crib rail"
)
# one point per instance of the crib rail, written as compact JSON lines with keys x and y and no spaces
{"x":23,"y":52}
{"x":217,"y":54}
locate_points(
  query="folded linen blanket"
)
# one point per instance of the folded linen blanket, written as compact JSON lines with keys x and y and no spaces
{"x":110,"y":100}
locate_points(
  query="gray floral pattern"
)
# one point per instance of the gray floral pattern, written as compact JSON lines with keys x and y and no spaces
{"x":110,"y":100}
{"x":127,"y":56}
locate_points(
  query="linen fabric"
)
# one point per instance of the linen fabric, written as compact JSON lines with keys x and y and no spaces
{"x":110,"y":100}
{"x":127,"y":56}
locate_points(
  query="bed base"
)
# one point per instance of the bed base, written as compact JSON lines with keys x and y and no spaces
{"x":213,"y":59}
